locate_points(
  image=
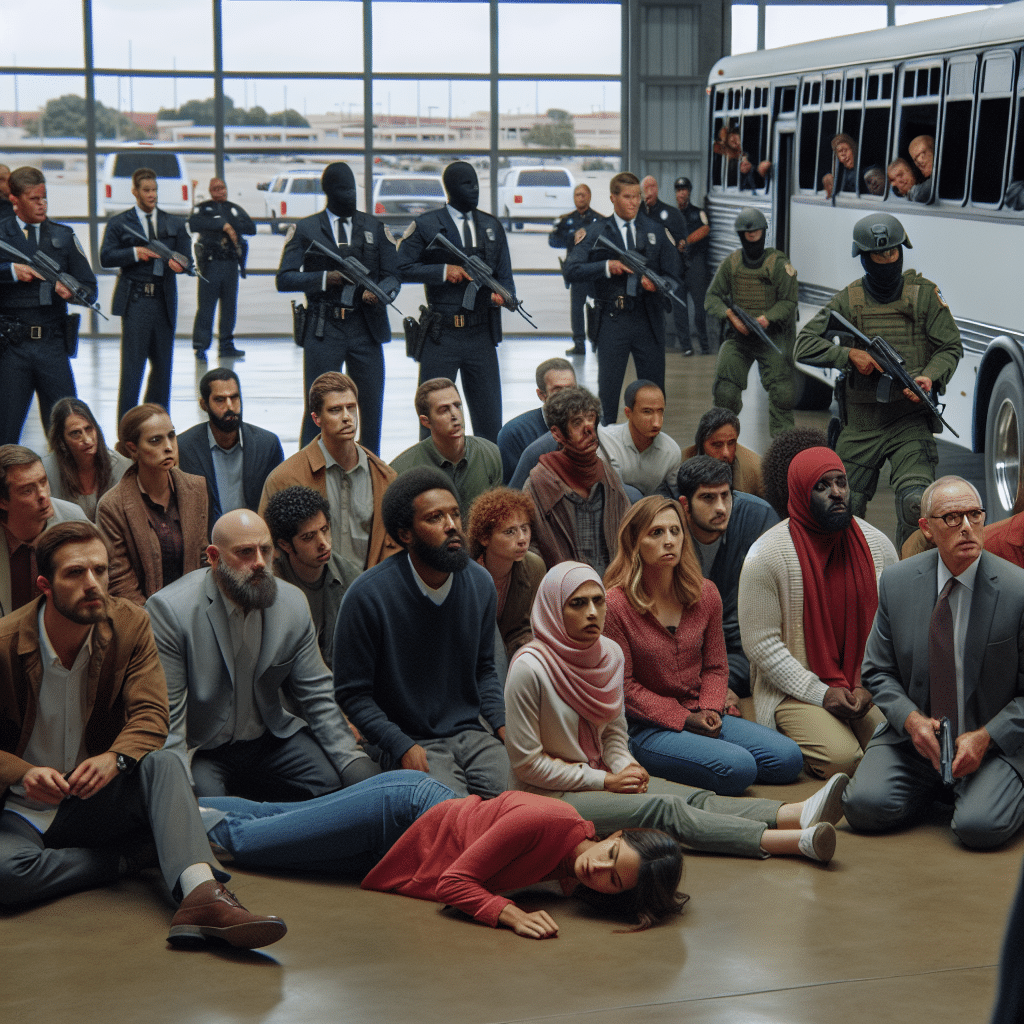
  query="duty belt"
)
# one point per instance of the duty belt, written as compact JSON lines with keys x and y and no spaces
{"x":463,"y":319}
{"x":338,"y":312}
{"x":144,"y":290}
{"x":18,"y":332}
{"x":620,"y":304}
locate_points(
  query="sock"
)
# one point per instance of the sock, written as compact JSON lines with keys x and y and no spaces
{"x":194,"y":876}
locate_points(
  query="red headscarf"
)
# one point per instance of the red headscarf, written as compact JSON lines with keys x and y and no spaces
{"x":840,"y":590}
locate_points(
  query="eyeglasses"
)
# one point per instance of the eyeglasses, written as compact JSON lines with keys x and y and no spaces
{"x":954,"y":519}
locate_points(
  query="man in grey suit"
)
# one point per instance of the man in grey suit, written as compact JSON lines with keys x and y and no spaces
{"x":232,"y":640}
{"x":235,"y":458}
{"x":960,"y":656}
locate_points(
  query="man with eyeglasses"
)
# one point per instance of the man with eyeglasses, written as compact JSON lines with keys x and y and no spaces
{"x":910,"y":313}
{"x":946,"y":644}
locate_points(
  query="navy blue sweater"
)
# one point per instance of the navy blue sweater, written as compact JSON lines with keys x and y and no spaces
{"x":406,"y":669}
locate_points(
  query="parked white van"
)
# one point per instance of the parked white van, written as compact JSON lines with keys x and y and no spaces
{"x":542,"y":192}
{"x":173,"y":182}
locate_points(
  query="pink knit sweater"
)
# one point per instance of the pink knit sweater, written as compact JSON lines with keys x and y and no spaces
{"x":666,"y":676}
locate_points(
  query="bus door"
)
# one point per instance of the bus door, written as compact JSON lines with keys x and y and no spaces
{"x":784,"y":175}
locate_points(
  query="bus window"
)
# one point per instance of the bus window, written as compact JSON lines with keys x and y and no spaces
{"x":919,"y":119}
{"x":956,"y":127}
{"x":992,"y":133}
{"x":874,"y":146}
{"x":1015,"y":186}
{"x":810,"y":93}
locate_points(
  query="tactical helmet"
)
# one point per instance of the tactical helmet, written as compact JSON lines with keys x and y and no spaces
{"x":878,"y":232}
{"x":750,"y":219}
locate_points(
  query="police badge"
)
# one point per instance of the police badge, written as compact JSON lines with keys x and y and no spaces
{"x":651,"y":238}
{"x":490,"y":234}
{"x":368,"y":235}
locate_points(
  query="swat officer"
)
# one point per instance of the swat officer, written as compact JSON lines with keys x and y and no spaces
{"x":909,"y":312}
{"x":566,"y":230}
{"x":762,"y":282}
{"x":221,"y":252}
{"x":336,"y":333}
{"x":459,"y":338}
{"x":630,"y":314}
{"x":36,"y":333}
{"x":694,"y":248}
{"x":146,"y":293}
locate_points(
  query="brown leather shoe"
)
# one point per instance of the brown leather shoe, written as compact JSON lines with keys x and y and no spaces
{"x":209,"y":911}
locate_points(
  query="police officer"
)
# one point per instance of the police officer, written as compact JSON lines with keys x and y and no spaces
{"x":461,"y":339}
{"x":146,"y":293}
{"x":630,"y":314}
{"x":909,"y":312}
{"x":36,"y":333}
{"x":338,"y":334}
{"x":221,"y":252}
{"x":669,"y":218}
{"x":762,"y":282}
{"x":566,"y":230}
{"x":694,"y":248}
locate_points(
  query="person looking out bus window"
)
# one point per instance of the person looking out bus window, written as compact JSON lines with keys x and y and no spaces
{"x":845,"y":177}
{"x":910,"y":313}
{"x":922,"y":152}
{"x":901,"y":177}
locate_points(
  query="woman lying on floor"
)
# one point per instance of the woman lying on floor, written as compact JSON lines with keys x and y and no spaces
{"x":404,"y":832}
{"x":566,"y":737}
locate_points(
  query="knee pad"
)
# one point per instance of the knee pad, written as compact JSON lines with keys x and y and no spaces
{"x":781,"y":394}
{"x":908,"y":503}
{"x":727,"y":395}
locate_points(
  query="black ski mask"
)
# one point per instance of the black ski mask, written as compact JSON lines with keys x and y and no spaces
{"x":460,"y":182}
{"x":883,"y":281}
{"x":339,"y":184}
{"x":753,"y":252}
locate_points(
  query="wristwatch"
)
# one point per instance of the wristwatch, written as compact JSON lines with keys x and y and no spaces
{"x":125,"y":763}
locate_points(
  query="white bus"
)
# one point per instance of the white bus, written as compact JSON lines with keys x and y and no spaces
{"x":959,"y":79}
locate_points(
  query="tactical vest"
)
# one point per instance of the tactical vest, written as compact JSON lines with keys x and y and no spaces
{"x":754,"y":290}
{"x":902,"y":323}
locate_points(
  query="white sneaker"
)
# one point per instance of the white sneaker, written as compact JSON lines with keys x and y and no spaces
{"x":819,"y":842}
{"x":826,"y":804}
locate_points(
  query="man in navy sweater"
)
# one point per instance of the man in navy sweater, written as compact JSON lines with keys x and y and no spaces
{"x":414,"y":646}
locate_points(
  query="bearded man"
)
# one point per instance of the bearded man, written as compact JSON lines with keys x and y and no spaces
{"x":414,"y":646}
{"x":232,"y":640}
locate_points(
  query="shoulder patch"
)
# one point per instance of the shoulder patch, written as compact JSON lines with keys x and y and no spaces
{"x":671,"y":240}
{"x":791,"y":270}
{"x":703,"y":217}
{"x":581,"y":233}
{"x":938,"y":295}
{"x":290,"y":235}
{"x":664,"y":214}
{"x":78,"y":246}
{"x":409,"y":230}
{"x":390,"y":237}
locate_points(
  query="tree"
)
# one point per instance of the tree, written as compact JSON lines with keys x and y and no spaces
{"x":551,"y":135}
{"x":556,"y":114}
{"x":201,"y":112}
{"x":65,"y":118}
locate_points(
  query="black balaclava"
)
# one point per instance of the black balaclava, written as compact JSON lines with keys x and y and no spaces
{"x":753,"y":252}
{"x":883,"y":281}
{"x":460,"y":182}
{"x":339,"y":184}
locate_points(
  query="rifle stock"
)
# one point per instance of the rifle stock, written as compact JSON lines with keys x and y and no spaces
{"x":51,"y":272}
{"x":357,"y":276}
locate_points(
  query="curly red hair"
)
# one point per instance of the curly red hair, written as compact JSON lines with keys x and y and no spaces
{"x":493,"y":508}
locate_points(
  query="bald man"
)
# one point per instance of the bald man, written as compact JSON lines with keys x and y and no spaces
{"x":232,"y":638}
{"x":221,"y":250}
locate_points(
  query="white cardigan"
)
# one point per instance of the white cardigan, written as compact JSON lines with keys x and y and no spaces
{"x":771,"y":614}
{"x":542,"y":736}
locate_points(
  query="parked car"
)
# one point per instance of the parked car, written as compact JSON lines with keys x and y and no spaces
{"x":295,"y":192}
{"x":534,"y":192}
{"x":401,"y":198}
{"x":173,"y":182}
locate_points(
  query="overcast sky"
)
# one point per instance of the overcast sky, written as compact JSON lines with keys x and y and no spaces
{"x":298,"y":35}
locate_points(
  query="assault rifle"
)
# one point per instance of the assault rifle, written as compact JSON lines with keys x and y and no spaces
{"x":753,"y":326}
{"x":51,"y":272}
{"x":166,"y":252}
{"x":895,"y":378}
{"x":480,"y":276}
{"x":356,"y":275}
{"x":639,"y":268}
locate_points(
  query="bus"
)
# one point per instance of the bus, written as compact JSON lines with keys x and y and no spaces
{"x":958,"y":80}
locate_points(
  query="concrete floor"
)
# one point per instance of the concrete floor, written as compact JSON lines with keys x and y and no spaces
{"x":900,"y":928}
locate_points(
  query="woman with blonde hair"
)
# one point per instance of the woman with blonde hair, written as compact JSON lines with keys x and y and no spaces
{"x":156,"y":518}
{"x":668,"y":621}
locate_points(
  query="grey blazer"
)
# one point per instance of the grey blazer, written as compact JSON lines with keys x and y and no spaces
{"x":194,"y":642}
{"x":895,"y":667}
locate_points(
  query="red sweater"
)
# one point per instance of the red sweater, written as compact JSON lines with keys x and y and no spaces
{"x":463,"y":852}
{"x":665,"y":676}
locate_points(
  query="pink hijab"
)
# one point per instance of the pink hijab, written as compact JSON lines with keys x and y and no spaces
{"x":588,"y":679}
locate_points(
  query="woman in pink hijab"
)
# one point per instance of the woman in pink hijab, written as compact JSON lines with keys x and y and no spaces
{"x":566,"y":736}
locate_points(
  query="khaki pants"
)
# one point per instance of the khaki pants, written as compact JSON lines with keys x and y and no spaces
{"x":829,"y":744}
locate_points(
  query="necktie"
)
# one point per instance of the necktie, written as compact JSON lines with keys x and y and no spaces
{"x":941,"y":663}
{"x":467,"y":234}
{"x":158,"y":266}
{"x":342,"y":233}
{"x":630,"y":236}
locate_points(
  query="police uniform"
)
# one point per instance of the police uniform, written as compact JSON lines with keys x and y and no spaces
{"x":337,"y":335}
{"x":563,"y":236}
{"x":670,"y":219}
{"x":768,"y":290}
{"x":34,"y":330}
{"x":146,"y":300}
{"x":468,"y":339}
{"x":921,"y":328}
{"x":221,"y":262}
{"x":626,"y":324}
{"x":694,"y":278}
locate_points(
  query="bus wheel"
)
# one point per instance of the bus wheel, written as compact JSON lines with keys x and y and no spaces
{"x":1004,"y":442}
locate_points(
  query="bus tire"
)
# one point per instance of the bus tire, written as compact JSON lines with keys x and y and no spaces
{"x":1004,"y":443}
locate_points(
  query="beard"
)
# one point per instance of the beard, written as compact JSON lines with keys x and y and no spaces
{"x":226,"y":424}
{"x":834,"y":518}
{"x":83,"y":616}
{"x":442,"y":558}
{"x":251,"y":591}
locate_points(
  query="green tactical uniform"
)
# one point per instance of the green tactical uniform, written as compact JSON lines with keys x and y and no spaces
{"x":921,"y":328}
{"x":770,"y":290}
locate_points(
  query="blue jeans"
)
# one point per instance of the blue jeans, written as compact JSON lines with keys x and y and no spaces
{"x":345,"y":832}
{"x":744,"y":753}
